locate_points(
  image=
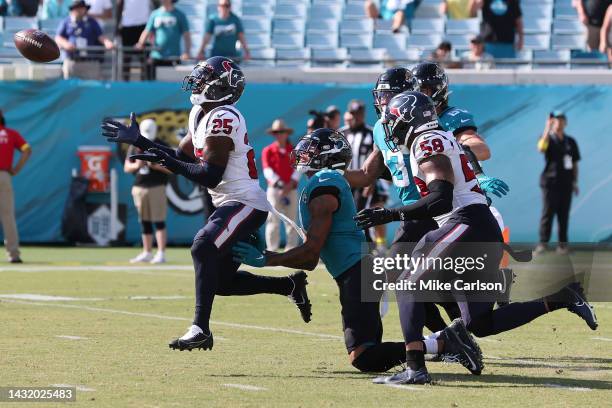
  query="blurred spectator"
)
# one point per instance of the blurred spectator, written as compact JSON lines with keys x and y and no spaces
{"x":501,"y":27}
{"x":559,"y":179}
{"x":101,"y":10}
{"x":224,"y":28}
{"x":605,"y":39}
{"x":443,"y":55}
{"x":332,"y":117}
{"x":361,"y":138}
{"x":458,"y":9}
{"x":149,"y":194}
{"x":130,"y":21}
{"x":476,"y":57}
{"x":55,"y":9}
{"x":19,"y":8}
{"x":282,"y":184}
{"x":10,"y":140}
{"x":399,"y":11}
{"x":317,"y":121}
{"x":591,"y":14}
{"x":74,"y":34}
{"x":166,"y":25}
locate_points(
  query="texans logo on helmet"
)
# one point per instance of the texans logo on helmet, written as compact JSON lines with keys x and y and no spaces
{"x":235,"y":76}
{"x":404,"y":111}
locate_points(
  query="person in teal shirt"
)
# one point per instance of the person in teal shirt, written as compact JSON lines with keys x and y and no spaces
{"x":167,"y":25}
{"x":54,"y":9}
{"x":224,"y":29}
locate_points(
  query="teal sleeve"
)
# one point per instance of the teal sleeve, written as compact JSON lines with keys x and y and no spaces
{"x":239,"y":28}
{"x":210,"y":26}
{"x":184,"y":24}
{"x":150,"y":23}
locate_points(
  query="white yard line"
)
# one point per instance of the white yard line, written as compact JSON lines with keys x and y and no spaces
{"x":71,"y":337}
{"x":102,"y":268}
{"x":564,"y":387}
{"x":245,"y":387}
{"x":78,"y":387}
{"x":601,"y":338}
{"x":52,"y":298}
{"x":163,"y":317}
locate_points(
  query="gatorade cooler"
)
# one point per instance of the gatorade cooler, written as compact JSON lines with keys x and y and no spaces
{"x":95,"y":162}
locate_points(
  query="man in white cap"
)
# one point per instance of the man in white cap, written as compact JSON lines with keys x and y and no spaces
{"x":282,"y":183}
{"x":149,"y":194}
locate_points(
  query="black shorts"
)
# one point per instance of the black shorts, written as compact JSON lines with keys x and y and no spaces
{"x":361,"y":321}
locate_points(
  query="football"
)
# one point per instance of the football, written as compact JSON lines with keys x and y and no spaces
{"x":36,"y":45}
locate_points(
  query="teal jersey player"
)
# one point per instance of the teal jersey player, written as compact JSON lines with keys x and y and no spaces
{"x":398,"y":164}
{"x":342,"y":248}
{"x":326,"y":212}
{"x":456,"y":120}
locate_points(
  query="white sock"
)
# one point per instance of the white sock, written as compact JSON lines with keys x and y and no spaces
{"x":431,"y":346}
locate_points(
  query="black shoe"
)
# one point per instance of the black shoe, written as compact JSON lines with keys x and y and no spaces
{"x":420,"y":376}
{"x":16,"y":260}
{"x":578,"y":304}
{"x":461,"y":347}
{"x":299,"y":295}
{"x":193,"y":339}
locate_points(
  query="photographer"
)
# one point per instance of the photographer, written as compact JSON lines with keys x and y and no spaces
{"x":559,"y":179}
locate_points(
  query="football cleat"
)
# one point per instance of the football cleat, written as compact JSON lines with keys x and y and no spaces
{"x":420,"y":376}
{"x":193,"y":339}
{"x":299,"y":295}
{"x":461,"y":347}
{"x":578,"y":304}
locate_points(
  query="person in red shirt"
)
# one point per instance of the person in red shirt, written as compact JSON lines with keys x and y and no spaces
{"x":10,"y":140}
{"x":282,"y":183}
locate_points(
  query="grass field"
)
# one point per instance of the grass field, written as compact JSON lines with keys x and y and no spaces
{"x":108,"y":335}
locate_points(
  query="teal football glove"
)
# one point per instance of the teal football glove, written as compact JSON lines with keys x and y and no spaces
{"x":493,"y":185}
{"x":249,"y":255}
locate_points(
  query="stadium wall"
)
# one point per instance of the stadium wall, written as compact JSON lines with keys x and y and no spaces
{"x":57,"y":117}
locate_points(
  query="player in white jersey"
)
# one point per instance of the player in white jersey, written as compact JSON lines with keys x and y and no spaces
{"x":216,"y":154}
{"x":451,"y":195}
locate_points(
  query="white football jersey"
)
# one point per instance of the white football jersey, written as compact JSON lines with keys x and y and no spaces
{"x":466,"y":190}
{"x":240,"y":181}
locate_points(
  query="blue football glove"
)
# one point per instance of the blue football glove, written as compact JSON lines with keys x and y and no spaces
{"x":249,"y":255}
{"x":493,"y":185}
{"x":117,"y":132}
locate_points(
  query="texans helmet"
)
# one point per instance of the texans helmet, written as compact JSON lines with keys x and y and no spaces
{"x":408,"y":114}
{"x":390,"y":83}
{"x":432,"y":80}
{"x":216,"y":80}
{"x":322,"y":149}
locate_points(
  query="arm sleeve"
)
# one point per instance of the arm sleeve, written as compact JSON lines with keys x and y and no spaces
{"x":205,"y":174}
{"x":19,"y":142}
{"x":575,"y":151}
{"x":150,"y":23}
{"x":239,"y":28}
{"x":210,"y":26}
{"x":183,"y":23}
{"x":61,"y":30}
{"x":97,"y":28}
{"x":439,"y":201}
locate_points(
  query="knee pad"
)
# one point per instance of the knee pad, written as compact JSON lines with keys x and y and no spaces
{"x":147,"y":227}
{"x":160,"y":225}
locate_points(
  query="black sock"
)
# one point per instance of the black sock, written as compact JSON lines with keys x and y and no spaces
{"x":245,"y":283}
{"x":207,"y":270}
{"x":415,"y":359}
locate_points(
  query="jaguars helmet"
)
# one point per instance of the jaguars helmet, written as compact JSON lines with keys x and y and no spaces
{"x":433,"y":81}
{"x":216,"y":80}
{"x":322,"y":149}
{"x":408,"y":114}
{"x":390,"y":83}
